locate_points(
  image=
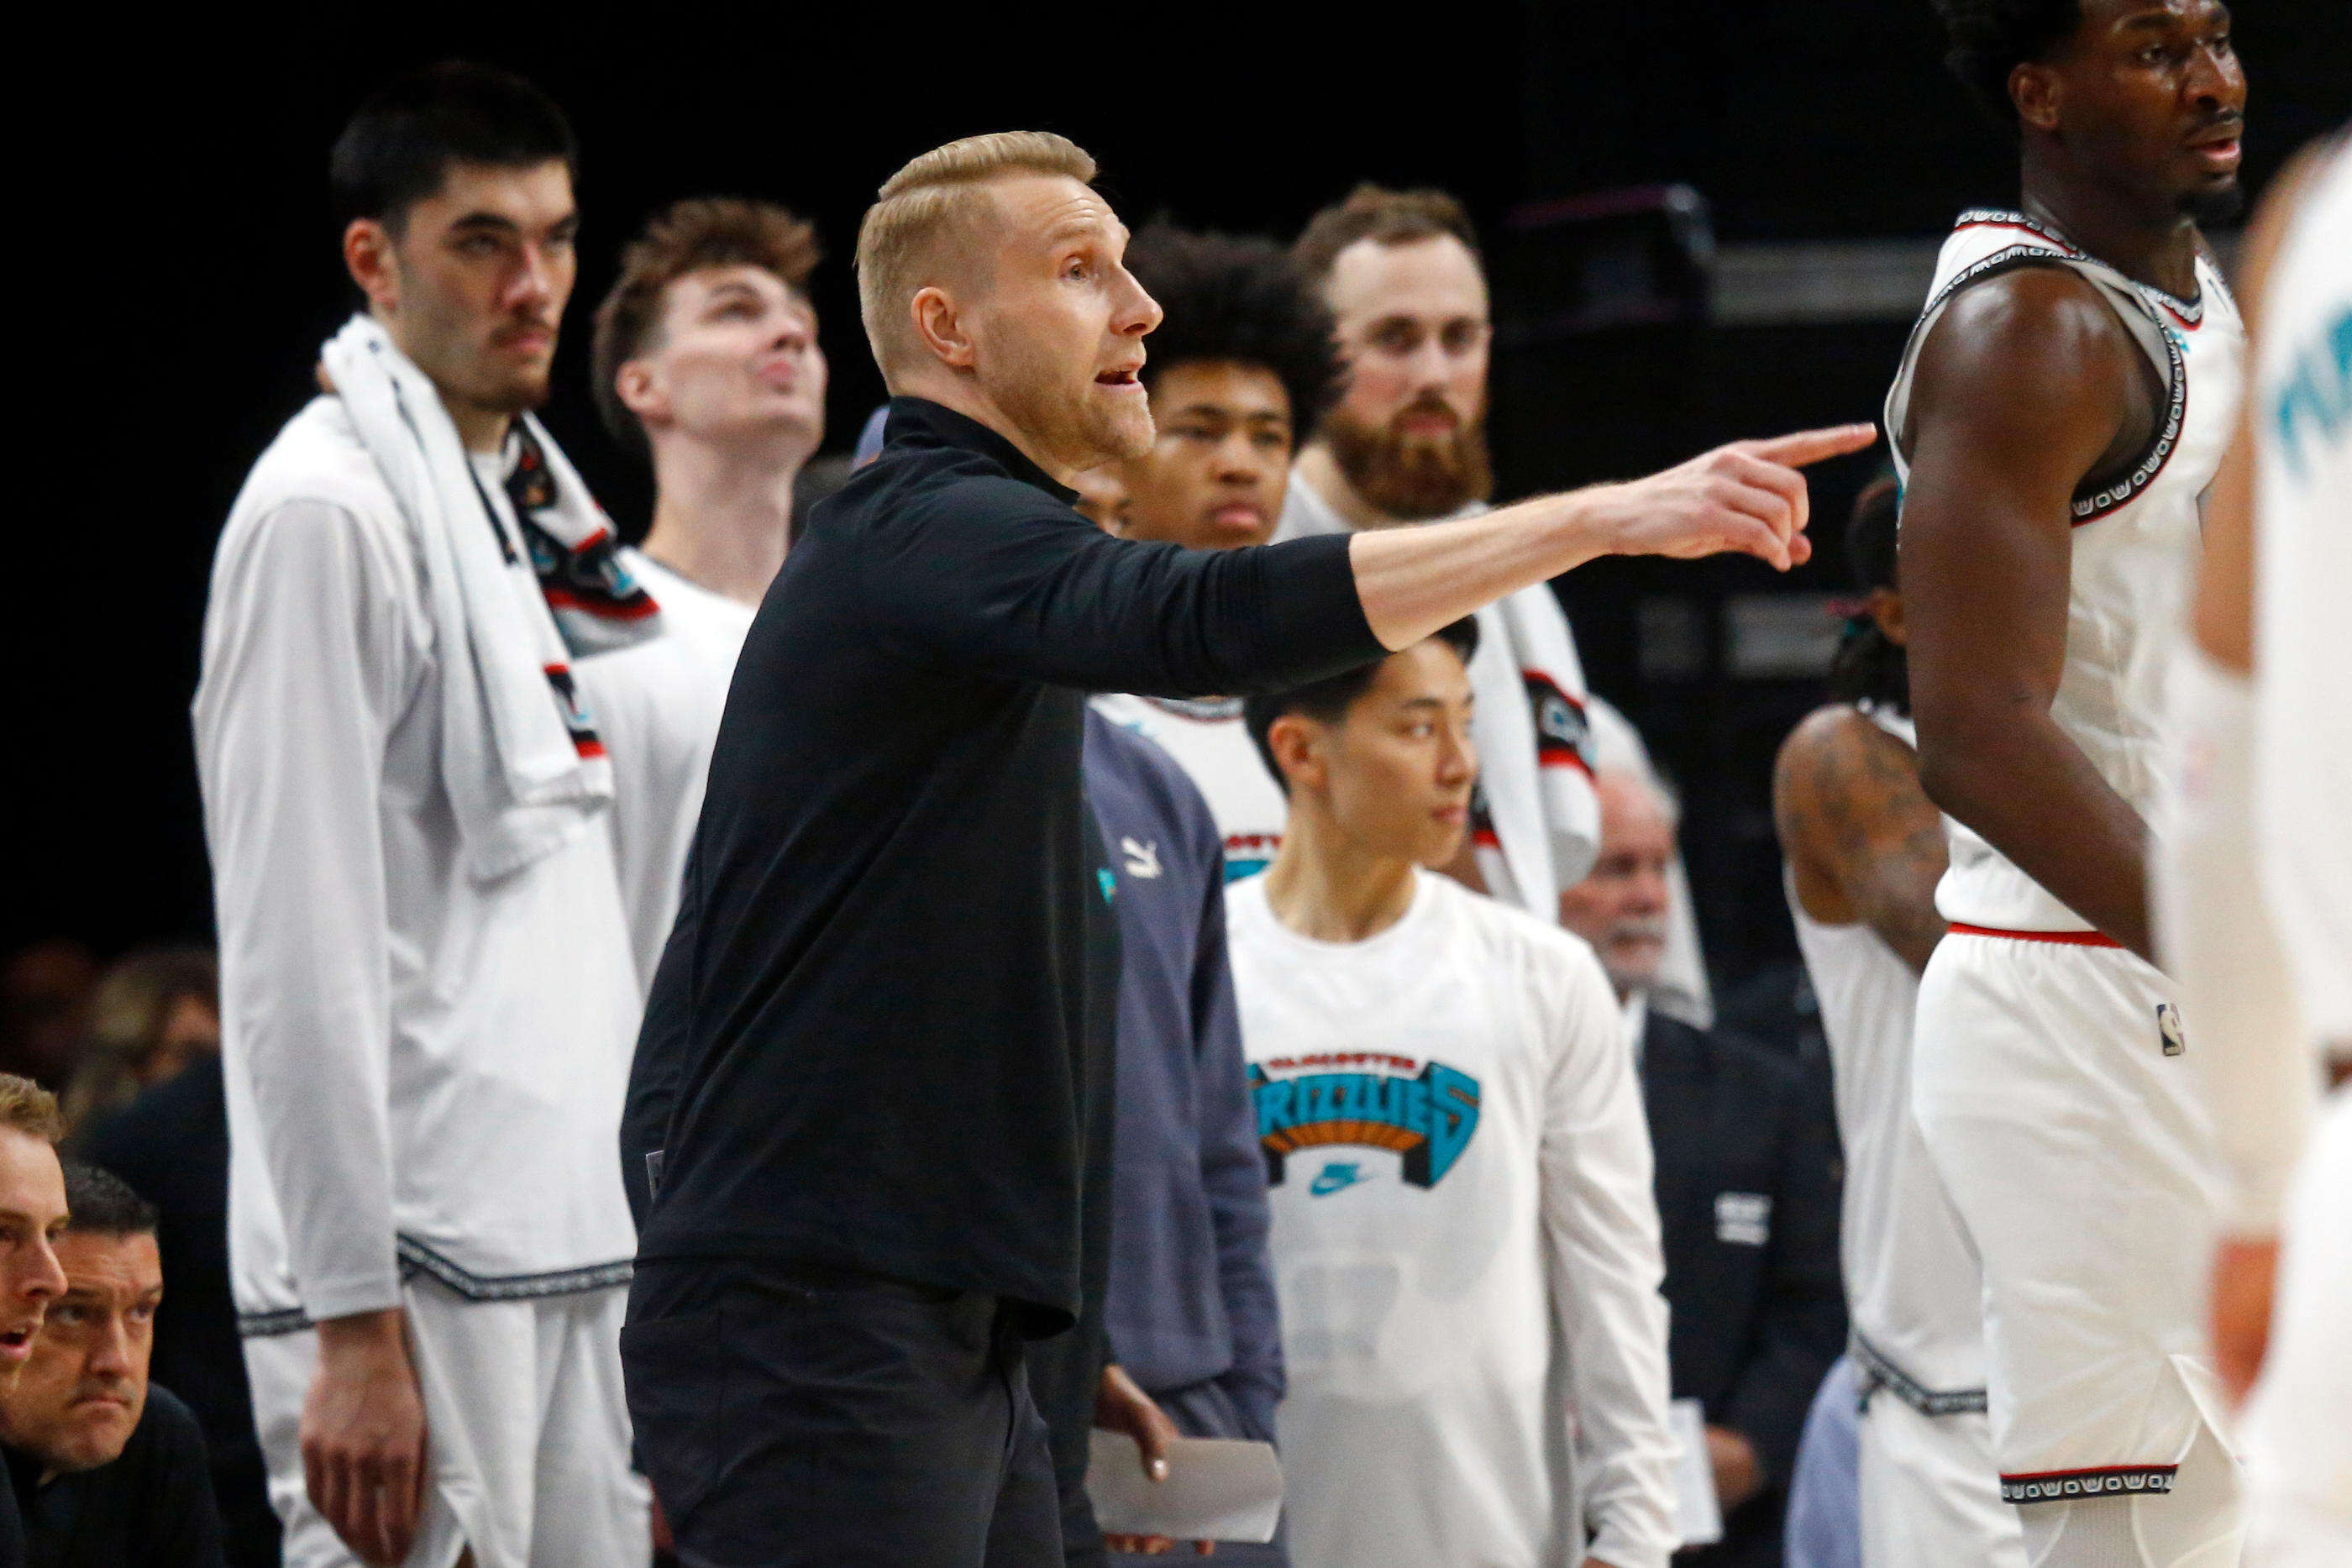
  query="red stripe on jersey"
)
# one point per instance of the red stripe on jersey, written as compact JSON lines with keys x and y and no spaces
{"x":2063,"y":939}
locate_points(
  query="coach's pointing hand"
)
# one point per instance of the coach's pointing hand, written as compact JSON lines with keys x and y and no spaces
{"x":1747,"y":497}
{"x":363,"y":1436}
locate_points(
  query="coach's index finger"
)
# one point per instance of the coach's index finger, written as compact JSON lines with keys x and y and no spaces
{"x":1800,"y":448}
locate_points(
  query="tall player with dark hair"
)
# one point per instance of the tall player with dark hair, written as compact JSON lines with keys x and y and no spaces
{"x":426,"y":984}
{"x":2059,"y":412}
{"x":1865,"y":849}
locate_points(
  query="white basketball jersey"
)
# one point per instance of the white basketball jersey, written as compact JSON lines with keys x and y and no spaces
{"x":2135,"y":542}
{"x":2303,"y":751}
{"x":1210,"y":742}
{"x":1911,"y":1280}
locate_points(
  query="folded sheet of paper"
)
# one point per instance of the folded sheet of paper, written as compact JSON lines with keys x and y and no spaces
{"x":1698,"y":1518}
{"x":1217,"y":1489}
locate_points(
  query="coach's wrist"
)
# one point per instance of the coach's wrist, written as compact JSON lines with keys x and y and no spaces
{"x":1594,"y":521}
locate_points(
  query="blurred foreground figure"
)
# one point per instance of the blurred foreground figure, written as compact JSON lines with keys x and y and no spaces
{"x":2257,"y":882}
{"x":2059,"y":412}
{"x":110,"y":1469}
{"x":426,"y":984}
{"x":1865,"y":849}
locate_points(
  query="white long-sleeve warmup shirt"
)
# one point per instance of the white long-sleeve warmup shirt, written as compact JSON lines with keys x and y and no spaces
{"x":424,"y":1071}
{"x":657,"y":707}
{"x":1461,"y":1166}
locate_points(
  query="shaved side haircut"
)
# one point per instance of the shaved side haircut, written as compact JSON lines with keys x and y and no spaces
{"x":940,"y":197}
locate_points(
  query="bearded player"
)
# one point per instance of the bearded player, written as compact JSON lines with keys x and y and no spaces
{"x":2060,"y":411}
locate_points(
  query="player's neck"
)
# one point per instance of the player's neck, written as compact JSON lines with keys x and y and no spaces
{"x":1329,"y":890}
{"x":722,"y":518}
{"x":1320,"y":472}
{"x":2152,"y":245}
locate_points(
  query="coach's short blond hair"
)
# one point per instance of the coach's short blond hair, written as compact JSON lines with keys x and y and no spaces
{"x":936,"y":197}
{"x":26,"y":1107}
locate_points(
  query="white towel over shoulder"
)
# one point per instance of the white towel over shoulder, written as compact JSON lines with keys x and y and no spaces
{"x":522,"y":764}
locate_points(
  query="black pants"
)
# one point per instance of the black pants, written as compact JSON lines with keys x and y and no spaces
{"x":791,"y":1417}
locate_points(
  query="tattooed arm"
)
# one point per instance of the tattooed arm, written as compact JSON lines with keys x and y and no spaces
{"x":1863,"y":840}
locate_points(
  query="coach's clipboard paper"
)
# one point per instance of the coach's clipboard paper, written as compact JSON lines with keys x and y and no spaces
{"x":1218,"y":1488}
{"x":1698,"y":1517}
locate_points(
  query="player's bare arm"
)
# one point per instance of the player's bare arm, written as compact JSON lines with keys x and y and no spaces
{"x":1864,"y":843}
{"x":2027,"y":388}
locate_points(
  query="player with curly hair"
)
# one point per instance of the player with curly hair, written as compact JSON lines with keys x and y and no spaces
{"x":1240,"y":368}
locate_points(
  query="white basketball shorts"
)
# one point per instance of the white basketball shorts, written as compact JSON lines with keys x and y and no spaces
{"x":2055,"y":1088}
{"x":526,"y":1434}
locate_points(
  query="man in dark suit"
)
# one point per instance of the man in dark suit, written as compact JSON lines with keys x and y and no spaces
{"x":1747,"y":1192}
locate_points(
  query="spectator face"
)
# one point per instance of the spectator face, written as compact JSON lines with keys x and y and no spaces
{"x":1394,"y":774}
{"x":1055,"y":336}
{"x":473,"y":287}
{"x":1620,"y":909}
{"x":81,"y":1394}
{"x":1414,"y":324}
{"x":32,"y":1213}
{"x":190,"y":1032}
{"x":1215,"y":477}
{"x":735,"y":357}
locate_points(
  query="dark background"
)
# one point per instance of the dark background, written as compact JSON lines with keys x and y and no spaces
{"x":176,"y":212}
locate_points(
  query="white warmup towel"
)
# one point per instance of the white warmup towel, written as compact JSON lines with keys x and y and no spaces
{"x":524,"y":769}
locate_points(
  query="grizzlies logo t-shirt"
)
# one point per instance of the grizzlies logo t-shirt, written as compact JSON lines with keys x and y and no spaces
{"x":1458,"y":1160}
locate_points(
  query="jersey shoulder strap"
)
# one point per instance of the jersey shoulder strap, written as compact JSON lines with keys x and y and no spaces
{"x":1987,"y":243}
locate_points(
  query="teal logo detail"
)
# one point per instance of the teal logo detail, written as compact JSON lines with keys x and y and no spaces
{"x":1428,"y":1120}
{"x":1109,"y":882}
{"x":1337,"y":1177}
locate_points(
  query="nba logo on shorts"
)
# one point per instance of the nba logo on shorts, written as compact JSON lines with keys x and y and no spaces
{"x":2167,"y":1028}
